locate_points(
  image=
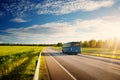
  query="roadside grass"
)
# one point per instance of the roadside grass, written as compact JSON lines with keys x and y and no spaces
{"x":100,"y":52}
{"x":44,"y":75}
{"x":30,"y":68}
{"x":18,"y":61}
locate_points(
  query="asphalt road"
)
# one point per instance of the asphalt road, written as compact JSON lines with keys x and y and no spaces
{"x":80,"y":67}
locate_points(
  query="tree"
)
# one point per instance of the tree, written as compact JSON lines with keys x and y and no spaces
{"x":81,"y":43}
{"x":59,"y":44}
{"x":99,"y":44}
{"x":92,"y":43}
{"x":85,"y":44}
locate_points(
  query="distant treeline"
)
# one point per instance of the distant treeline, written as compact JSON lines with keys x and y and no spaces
{"x":9,"y":44}
{"x":110,"y":43}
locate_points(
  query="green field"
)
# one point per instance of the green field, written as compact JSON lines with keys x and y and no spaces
{"x":18,"y":62}
{"x":101,"y":52}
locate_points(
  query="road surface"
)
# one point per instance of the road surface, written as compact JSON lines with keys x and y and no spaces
{"x":80,"y":67}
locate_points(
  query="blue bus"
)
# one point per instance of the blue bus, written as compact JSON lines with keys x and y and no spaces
{"x":71,"y":48}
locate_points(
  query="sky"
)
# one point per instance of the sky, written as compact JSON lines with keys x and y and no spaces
{"x":53,"y":21}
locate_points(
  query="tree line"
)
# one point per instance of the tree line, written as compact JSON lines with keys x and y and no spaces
{"x":110,"y":43}
{"x":12,"y":44}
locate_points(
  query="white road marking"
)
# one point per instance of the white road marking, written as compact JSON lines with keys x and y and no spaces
{"x":63,"y":68}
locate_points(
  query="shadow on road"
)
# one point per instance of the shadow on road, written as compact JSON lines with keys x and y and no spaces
{"x":57,"y":54}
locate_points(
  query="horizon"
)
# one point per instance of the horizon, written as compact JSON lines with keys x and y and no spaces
{"x":51,"y":21}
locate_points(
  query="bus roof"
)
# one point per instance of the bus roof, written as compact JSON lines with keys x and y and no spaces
{"x":71,"y":42}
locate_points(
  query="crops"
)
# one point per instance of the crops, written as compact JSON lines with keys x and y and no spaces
{"x":18,"y":62}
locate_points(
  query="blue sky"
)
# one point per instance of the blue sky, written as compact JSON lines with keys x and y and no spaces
{"x":52,"y":21}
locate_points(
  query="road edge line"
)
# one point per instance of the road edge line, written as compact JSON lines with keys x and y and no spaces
{"x":63,"y":68}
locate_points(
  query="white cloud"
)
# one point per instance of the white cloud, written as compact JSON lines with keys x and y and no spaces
{"x":64,"y":7}
{"x":59,"y":7}
{"x":1,"y":42}
{"x":19,"y":8}
{"x":119,"y":8}
{"x":3,"y":36}
{"x":19,"y":20}
{"x":100,"y":28}
{"x":50,"y":29}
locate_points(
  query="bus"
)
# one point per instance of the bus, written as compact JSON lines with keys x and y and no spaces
{"x":71,"y":48}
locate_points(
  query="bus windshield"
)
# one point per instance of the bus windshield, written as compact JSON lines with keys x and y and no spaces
{"x":76,"y":44}
{"x":67,"y":45}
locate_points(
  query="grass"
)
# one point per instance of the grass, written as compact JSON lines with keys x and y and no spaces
{"x":43,"y":69}
{"x":9,"y":50}
{"x":101,"y":52}
{"x":18,"y":62}
{"x":30,"y":69}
